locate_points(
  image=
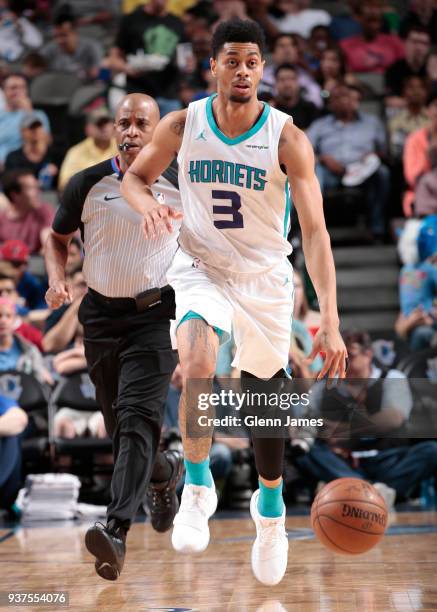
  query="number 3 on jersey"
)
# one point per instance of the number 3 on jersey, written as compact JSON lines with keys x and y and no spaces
{"x":232,"y":209}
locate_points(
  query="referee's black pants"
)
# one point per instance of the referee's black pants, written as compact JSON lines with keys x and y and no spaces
{"x":130,"y":362}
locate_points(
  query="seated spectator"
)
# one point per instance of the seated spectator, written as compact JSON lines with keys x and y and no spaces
{"x":62,"y":325}
{"x":33,"y":65}
{"x":69,"y":52}
{"x":75,"y":256}
{"x":371,"y":51}
{"x":332,"y":72}
{"x":15,"y":352}
{"x":346,"y":136}
{"x":301,"y":309}
{"x":298,"y":18}
{"x":359,"y":417}
{"x":419,"y":149}
{"x":17,"y":34}
{"x":90,"y":12}
{"x":69,"y":423}
{"x":145,"y":51}
{"x":34,"y":154}
{"x":17,"y":104}
{"x":288,"y":97}
{"x":426,"y":194}
{"x":98,"y":146}
{"x":13,"y":421}
{"x":421,"y":13}
{"x":347,"y":23}
{"x":417,"y":48}
{"x":318,"y":42}
{"x":417,"y":322}
{"x":411,"y":118}
{"x":286,"y":51}
{"x":22,"y":327}
{"x":27,"y":217}
{"x":16,"y":253}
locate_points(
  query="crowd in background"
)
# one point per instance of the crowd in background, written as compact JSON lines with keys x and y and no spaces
{"x":360,"y":79}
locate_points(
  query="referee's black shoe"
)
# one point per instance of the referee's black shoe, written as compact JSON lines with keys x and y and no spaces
{"x":161,"y":497}
{"x":108,"y":545}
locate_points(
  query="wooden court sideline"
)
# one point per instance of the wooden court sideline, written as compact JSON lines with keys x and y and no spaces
{"x":399,"y":574}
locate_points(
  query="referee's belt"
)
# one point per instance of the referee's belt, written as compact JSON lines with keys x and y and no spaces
{"x":141,"y":302}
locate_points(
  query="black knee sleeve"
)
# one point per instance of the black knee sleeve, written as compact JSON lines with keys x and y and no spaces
{"x":269,"y":452}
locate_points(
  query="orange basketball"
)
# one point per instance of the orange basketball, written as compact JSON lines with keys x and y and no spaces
{"x":349,"y":516}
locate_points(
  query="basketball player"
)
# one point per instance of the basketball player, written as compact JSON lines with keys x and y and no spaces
{"x":126,"y":318}
{"x":237,"y":158}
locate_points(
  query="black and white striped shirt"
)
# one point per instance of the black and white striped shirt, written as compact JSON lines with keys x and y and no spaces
{"x":119,"y":261}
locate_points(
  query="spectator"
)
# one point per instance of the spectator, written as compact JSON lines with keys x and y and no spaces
{"x":33,"y":65}
{"x":17,"y":34}
{"x":69,"y":52}
{"x":418,"y":291}
{"x":411,"y":118}
{"x":332,"y":72}
{"x":89,"y":12}
{"x":347,"y":136}
{"x":26,"y":218}
{"x":98,"y":146}
{"x":13,"y":421}
{"x":22,"y":327}
{"x":298,"y":18}
{"x":69,"y":423}
{"x":16,"y":253}
{"x":34,"y":154}
{"x":421,"y":13}
{"x":286,"y":51}
{"x":289,"y":100}
{"x":75,"y":256}
{"x":346,"y":24}
{"x":62,"y":325}
{"x":426,"y":194}
{"x":145,"y":51}
{"x":15,"y":352}
{"x":319,"y":41}
{"x":417,"y":48}
{"x":371,"y":51}
{"x":420,"y":147}
{"x":17,"y":105}
{"x":371,"y":403}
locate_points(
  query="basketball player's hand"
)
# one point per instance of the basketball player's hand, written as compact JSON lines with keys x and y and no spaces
{"x":158,"y":221}
{"x":58,"y":293}
{"x":329,"y":341}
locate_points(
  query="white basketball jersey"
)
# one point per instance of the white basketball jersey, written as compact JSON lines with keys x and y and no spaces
{"x":235,"y":196}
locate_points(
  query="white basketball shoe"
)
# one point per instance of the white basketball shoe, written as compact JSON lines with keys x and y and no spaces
{"x":270,"y":549}
{"x":190,"y":525}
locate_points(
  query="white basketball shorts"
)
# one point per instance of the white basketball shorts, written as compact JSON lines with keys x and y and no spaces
{"x":257,"y":307}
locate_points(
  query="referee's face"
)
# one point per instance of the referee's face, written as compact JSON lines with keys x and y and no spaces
{"x":135,"y":122}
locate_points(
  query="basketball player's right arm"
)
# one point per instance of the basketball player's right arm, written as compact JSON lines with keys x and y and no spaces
{"x":147,"y":167}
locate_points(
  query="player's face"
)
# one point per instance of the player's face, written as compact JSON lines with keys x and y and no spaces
{"x":238,"y":69}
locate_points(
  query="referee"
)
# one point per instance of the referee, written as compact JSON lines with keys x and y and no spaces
{"x":126,"y":318}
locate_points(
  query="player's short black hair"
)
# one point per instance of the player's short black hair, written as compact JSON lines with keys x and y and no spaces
{"x":240,"y":31}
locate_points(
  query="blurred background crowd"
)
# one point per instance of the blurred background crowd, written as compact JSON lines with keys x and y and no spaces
{"x":360,"y":80}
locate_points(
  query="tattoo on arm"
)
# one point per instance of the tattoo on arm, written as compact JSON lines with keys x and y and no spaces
{"x":177,"y":127}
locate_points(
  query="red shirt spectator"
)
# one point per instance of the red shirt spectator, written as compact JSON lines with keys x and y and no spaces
{"x":26,"y":218}
{"x":372,"y":51}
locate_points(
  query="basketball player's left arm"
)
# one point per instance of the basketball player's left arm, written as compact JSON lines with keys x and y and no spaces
{"x":296,"y":154}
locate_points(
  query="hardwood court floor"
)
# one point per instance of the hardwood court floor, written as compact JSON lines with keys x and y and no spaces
{"x":400,"y":574}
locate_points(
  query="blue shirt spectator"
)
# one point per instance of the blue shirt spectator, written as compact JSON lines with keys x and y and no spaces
{"x":17,"y":105}
{"x":6,"y":404}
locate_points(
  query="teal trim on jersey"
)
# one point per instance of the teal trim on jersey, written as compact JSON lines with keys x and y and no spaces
{"x":233,"y":141}
{"x":287,"y":208}
{"x":194,"y":315}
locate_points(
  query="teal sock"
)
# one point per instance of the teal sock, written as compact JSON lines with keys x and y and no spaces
{"x":198,"y":473}
{"x":270,"y":502}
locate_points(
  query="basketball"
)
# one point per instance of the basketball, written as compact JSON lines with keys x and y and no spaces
{"x":349,"y":516}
